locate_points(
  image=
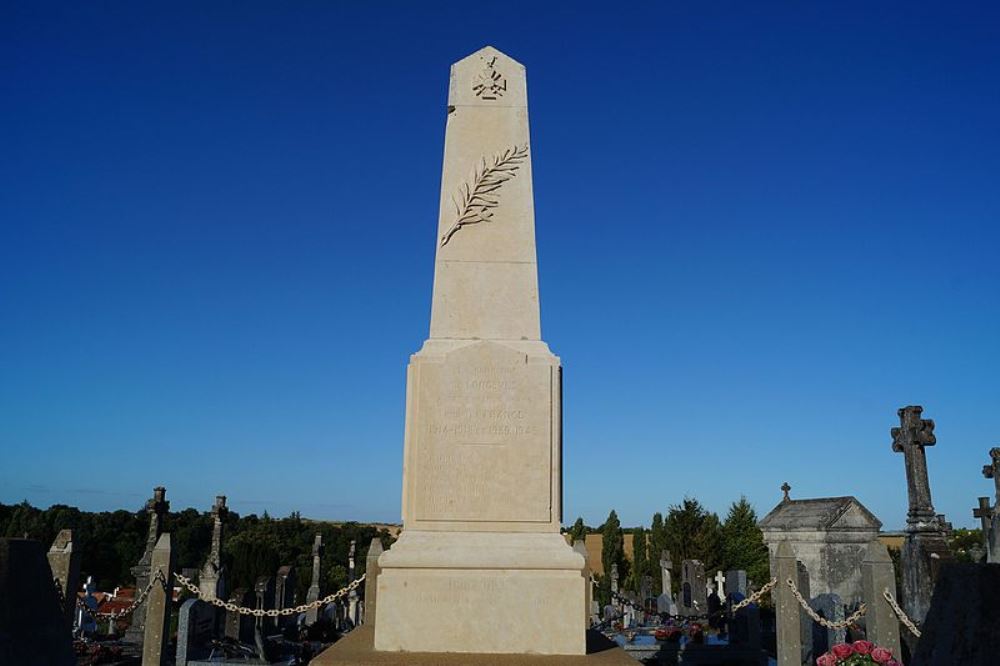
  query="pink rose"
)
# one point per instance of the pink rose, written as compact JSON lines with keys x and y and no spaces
{"x":842,"y":650}
{"x":826,"y":660}
{"x":881,"y":656}
{"x":893,"y":662}
{"x":863,"y":647}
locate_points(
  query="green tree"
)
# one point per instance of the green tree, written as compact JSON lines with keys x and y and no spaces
{"x":612,"y":553}
{"x":693,"y":533}
{"x":640,"y":561}
{"x":743,"y":543}
{"x":578,"y":532}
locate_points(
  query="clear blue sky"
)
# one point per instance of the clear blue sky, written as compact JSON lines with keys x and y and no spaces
{"x":762,"y":228}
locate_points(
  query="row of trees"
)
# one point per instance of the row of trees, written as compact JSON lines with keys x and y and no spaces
{"x":689,"y":532}
{"x":112,"y":542}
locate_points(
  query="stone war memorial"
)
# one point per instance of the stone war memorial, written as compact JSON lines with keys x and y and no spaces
{"x":480,"y":565}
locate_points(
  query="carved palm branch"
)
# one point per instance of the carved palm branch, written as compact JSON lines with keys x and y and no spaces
{"x":474,"y":203}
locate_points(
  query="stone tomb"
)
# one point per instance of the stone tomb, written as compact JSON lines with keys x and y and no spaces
{"x":483,"y":441}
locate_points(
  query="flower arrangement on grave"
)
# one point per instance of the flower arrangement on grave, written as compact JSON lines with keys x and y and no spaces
{"x":696,"y":632}
{"x":858,"y":653}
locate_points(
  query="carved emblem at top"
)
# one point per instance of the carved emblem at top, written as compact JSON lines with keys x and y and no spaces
{"x":490,"y":84}
{"x":477,"y":198}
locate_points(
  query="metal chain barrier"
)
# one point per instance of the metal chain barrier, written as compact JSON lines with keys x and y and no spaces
{"x":157,"y":578}
{"x":259,"y":612}
{"x":755,"y":597}
{"x":900,"y":613}
{"x":822,"y":621}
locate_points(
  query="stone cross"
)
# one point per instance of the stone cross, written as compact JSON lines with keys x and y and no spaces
{"x":614,"y":577}
{"x":910,"y":439}
{"x":720,"y":584}
{"x":156,"y":508}
{"x":992,"y":471}
{"x":313,"y":593}
{"x":210,"y":580}
{"x":786,"y":488}
{"x":984,"y":513}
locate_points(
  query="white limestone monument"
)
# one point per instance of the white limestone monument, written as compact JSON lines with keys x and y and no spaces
{"x":480,"y":565}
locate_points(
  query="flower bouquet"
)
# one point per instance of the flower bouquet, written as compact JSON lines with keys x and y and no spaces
{"x":858,"y":653}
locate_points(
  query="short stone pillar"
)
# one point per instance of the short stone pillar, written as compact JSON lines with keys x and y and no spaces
{"x":64,"y":559}
{"x":371,"y":579}
{"x":787,"y":611}
{"x":580,"y":546}
{"x":878,"y":575}
{"x":156,"y":635}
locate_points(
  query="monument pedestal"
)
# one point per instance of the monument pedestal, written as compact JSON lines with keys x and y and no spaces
{"x":482,"y":593}
{"x":356,"y":649}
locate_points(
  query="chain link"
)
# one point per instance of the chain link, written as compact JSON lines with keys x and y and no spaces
{"x":900,"y":613}
{"x":259,"y":612}
{"x":157,"y":578}
{"x":755,"y":597}
{"x":822,"y":621}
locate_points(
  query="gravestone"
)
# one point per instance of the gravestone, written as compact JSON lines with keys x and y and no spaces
{"x":830,"y":607}
{"x":264,"y":590}
{"x":313,"y":593}
{"x":665,"y":602}
{"x":34,"y":628}
{"x":240,"y":627}
{"x":156,"y":509}
{"x":645,"y":589}
{"x":284,"y":594}
{"x":371,"y":579}
{"x":614,"y":578}
{"x":195,"y":630}
{"x":925,"y":547}
{"x":156,"y":635}
{"x":736,"y":583}
{"x":693,"y":598}
{"x":963,"y":623}
{"x":482,"y":473}
{"x":211,"y":579}
{"x":720,"y":584}
{"x":352,"y":596}
{"x":64,"y":559}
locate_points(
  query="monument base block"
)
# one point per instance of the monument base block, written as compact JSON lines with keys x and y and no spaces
{"x":357,"y":649}
{"x":481,"y":592}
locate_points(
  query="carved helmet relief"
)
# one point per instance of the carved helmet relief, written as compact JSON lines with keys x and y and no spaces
{"x":490,"y":84}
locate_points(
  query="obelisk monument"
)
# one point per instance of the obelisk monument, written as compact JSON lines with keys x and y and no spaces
{"x":480,"y":565}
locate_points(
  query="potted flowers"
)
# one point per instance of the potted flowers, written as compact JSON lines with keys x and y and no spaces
{"x":857,"y":653}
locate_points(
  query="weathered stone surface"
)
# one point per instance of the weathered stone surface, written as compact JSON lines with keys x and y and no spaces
{"x":878,"y":575}
{"x":313,"y":593}
{"x":195,"y":630}
{"x":240,"y":627}
{"x":284,"y":594}
{"x":372,"y":571}
{"x":33,"y":625}
{"x":156,"y":508}
{"x":64,"y":559}
{"x":963,"y":623}
{"x":926,"y":547}
{"x":482,"y":447}
{"x":158,"y":604}
{"x":212,"y":579}
{"x":787,"y":609}
{"x":692,"y":598}
{"x":829,"y":536}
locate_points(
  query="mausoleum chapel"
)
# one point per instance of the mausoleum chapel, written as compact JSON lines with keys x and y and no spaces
{"x":485,"y":567}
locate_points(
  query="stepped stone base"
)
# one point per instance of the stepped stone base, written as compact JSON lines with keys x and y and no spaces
{"x":357,"y":648}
